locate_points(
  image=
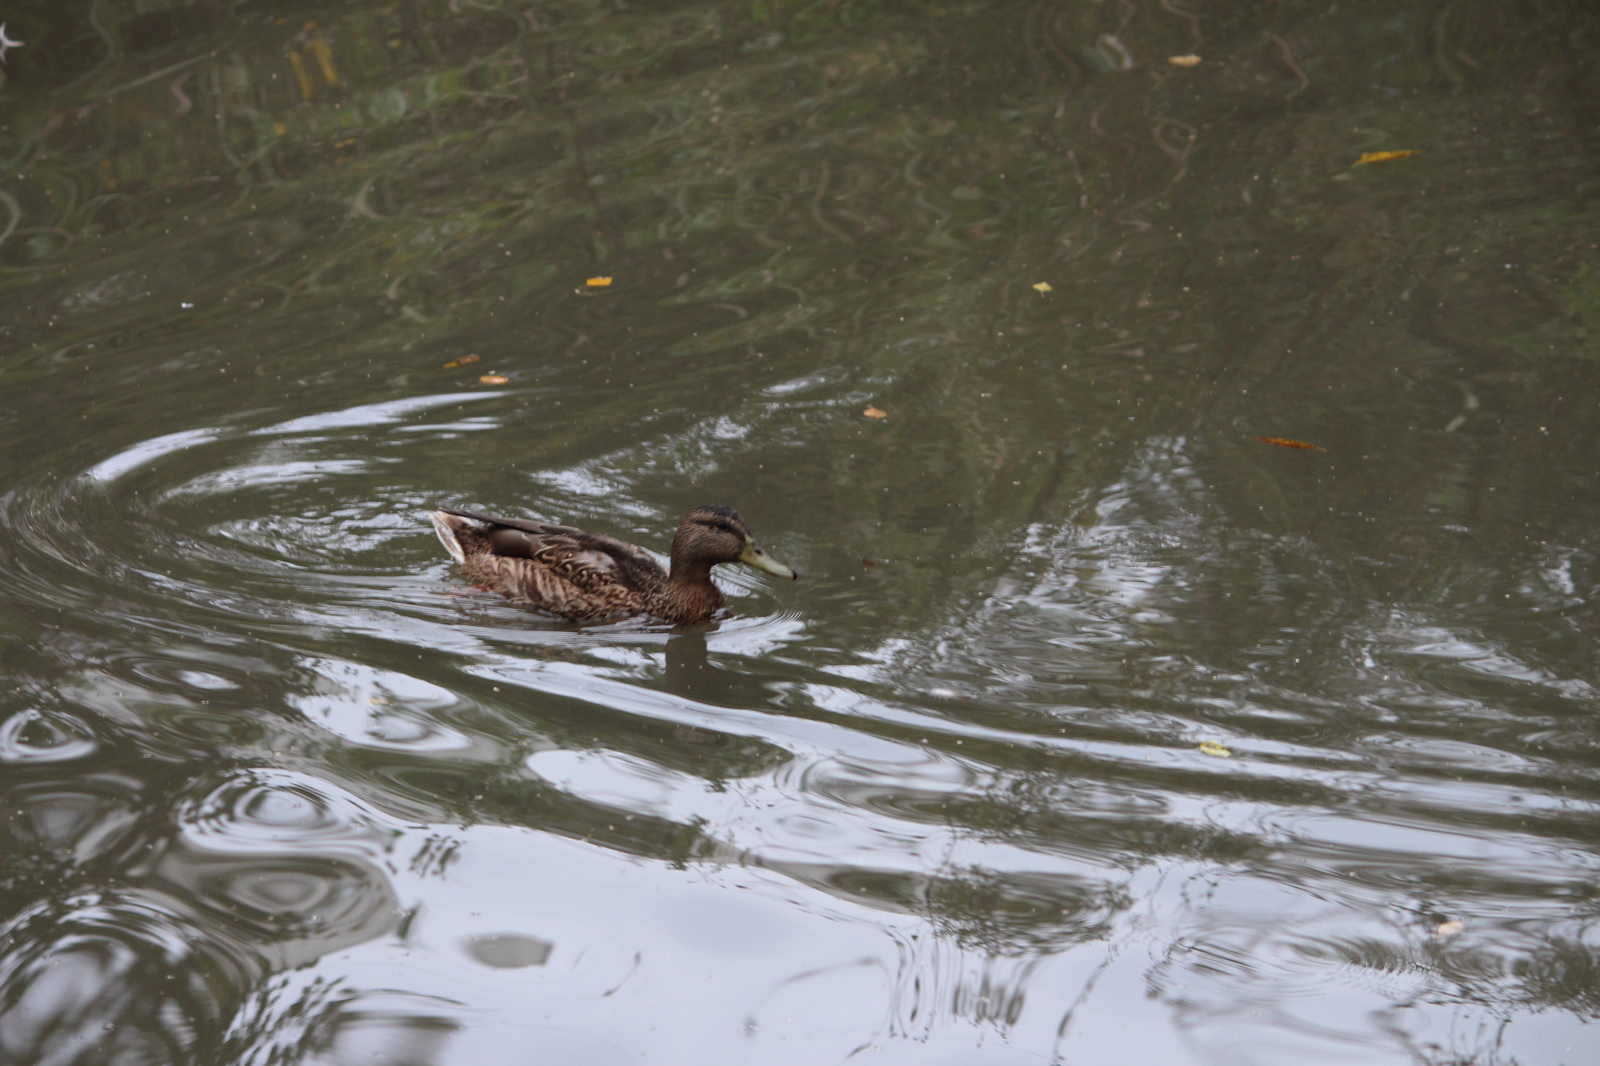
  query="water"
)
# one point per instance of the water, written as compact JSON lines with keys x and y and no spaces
{"x":1098,"y":731}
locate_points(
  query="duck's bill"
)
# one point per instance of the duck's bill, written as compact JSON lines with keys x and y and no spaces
{"x":758,"y":558}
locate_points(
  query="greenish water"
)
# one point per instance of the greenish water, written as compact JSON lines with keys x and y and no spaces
{"x":1099,"y":731}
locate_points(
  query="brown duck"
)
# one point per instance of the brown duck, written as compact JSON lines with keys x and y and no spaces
{"x":589,"y":577}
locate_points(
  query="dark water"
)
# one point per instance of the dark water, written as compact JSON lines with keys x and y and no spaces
{"x":1098,"y":732}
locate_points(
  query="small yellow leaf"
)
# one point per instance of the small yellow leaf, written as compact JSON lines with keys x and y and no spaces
{"x":1450,"y":928}
{"x":307,"y":90}
{"x":1184,"y":61}
{"x":1042,"y":286}
{"x":1211,"y":747}
{"x":1287,"y":442}
{"x":1384,"y":157}
{"x":493,"y":379}
{"x":280,"y":128}
{"x":873,"y":412}
{"x":598,"y":283}
{"x":324,"y":54}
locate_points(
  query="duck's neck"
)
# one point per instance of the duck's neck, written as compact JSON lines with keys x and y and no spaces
{"x":689,"y":572}
{"x":690,"y":589}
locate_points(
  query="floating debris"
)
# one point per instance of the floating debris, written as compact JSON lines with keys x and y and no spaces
{"x":493,"y":379}
{"x":1286,"y":442}
{"x":1216,"y":750}
{"x":597,"y":283}
{"x":873,"y":412}
{"x":1384,"y":157}
{"x":1184,"y":61}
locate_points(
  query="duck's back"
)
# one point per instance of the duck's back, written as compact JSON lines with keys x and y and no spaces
{"x":561,"y":569}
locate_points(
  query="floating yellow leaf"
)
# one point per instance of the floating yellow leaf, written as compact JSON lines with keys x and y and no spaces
{"x":300,"y":75}
{"x":1384,"y":157}
{"x":465,"y":359}
{"x":324,"y":55}
{"x":1450,"y":928}
{"x":1211,"y":747}
{"x":873,"y":412}
{"x":1285,"y":442}
{"x":1184,"y":61}
{"x":1042,"y":286}
{"x":598,"y":283}
{"x":493,"y":379}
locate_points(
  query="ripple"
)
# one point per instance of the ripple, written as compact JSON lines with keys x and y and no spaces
{"x":918,"y":791}
{"x":80,"y":818}
{"x":284,"y":861}
{"x":111,"y":971}
{"x":380,"y":708}
{"x":148,"y":452}
{"x":268,"y":809}
{"x":36,"y":737}
{"x":296,"y":907}
{"x":367,"y":415}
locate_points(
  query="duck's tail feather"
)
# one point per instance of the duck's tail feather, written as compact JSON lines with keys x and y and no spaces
{"x":446,"y":524}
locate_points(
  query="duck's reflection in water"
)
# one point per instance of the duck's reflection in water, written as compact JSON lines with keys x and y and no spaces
{"x":694,"y":675}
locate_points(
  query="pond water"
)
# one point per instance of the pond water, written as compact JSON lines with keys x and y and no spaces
{"x":1099,"y":729}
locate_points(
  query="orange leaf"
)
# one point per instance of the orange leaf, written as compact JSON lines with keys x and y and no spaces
{"x":462,"y":361}
{"x":1285,"y":442}
{"x":873,"y":412}
{"x":598,"y":283}
{"x":1384,"y":157}
{"x":493,"y":379}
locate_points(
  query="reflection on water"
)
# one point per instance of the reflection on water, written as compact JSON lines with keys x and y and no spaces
{"x":1098,"y":730}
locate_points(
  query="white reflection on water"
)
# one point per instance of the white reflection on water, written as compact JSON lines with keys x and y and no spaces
{"x":372,"y":414}
{"x":375,"y":414}
{"x":378,"y":708}
{"x":149,"y":451}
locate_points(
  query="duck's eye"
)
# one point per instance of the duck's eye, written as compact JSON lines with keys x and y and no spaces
{"x":725,"y":527}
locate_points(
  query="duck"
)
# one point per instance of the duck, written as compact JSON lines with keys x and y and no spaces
{"x":590,"y":577}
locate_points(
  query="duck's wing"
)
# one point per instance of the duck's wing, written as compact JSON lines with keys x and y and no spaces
{"x":530,"y":582}
{"x":588,"y":559}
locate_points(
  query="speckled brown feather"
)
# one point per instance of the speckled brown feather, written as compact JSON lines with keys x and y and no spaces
{"x":584,"y":576}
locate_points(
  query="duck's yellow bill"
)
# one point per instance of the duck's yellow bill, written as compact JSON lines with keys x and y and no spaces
{"x":758,"y":558}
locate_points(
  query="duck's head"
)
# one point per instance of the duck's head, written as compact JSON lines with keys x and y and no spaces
{"x":711,"y":534}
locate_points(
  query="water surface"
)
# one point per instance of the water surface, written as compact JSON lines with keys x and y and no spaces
{"x":1099,"y":731}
